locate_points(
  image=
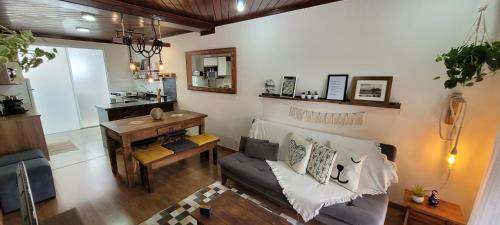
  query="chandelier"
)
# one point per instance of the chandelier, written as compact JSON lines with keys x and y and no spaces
{"x":139,"y":45}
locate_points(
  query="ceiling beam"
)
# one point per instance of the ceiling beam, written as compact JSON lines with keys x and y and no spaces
{"x":75,"y":38}
{"x":171,"y":19}
{"x":275,"y":11}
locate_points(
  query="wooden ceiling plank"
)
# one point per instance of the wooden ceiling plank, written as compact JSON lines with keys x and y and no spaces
{"x":176,"y":21}
{"x":270,"y":12}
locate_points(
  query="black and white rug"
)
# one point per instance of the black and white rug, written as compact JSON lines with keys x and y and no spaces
{"x":178,"y":214}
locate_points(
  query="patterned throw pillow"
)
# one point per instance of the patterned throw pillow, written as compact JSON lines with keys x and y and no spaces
{"x":347,"y":169}
{"x":299,"y":151}
{"x":321,"y":162}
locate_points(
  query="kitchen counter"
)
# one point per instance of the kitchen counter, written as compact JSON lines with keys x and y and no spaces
{"x":139,"y":102}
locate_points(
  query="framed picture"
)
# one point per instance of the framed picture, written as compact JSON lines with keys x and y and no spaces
{"x":288,"y":86}
{"x":144,"y":64}
{"x":336,"y":87}
{"x":371,"y":89}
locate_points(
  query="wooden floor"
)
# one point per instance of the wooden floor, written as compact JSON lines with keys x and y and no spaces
{"x":102,"y":198}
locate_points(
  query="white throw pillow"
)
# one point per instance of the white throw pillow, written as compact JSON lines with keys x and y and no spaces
{"x":321,"y":162}
{"x":347,"y":169}
{"x":299,"y":151}
{"x":378,"y":172}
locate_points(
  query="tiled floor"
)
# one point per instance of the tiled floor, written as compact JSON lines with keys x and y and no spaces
{"x":88,"y":141}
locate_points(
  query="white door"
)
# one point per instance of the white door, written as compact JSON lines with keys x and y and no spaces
{"x":90,"y":83}
{"x":53,"y":93}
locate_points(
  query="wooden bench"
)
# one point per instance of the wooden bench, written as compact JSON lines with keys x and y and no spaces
{"x":157,"y":156}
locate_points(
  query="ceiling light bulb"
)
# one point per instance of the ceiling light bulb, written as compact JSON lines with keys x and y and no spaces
{"x":160,"y":66}
{"x":132,"y":66}
{"x":240,"y":6}
{"x":150,"y":80}
{"x":82,"y":29}
{"x":452,"y":159}
{"x":88,"y":17}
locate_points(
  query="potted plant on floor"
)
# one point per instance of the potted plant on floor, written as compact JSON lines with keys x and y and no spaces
{"x":418,"y":194}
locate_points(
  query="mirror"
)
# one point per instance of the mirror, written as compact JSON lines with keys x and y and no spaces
{"x":212,"y":70}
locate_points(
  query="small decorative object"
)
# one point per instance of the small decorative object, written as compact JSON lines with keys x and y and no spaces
{"x":418,"y":194}
{"x":371,"y":89}
{"x":337,"y":87}
{"x":206,"y":210}
{"x":433,"y":199}
{"x":303,"y":95}
{"x":288,"y":86}
{"x":156,"y":113}
{"x":14,"y":47}
{"x":316,"y":95}
{"x":12,"y":73}
{"x":472,"y":61}
{"x":309,"y":95}
{"x":269,"y":85}
{"x":145,"y":64}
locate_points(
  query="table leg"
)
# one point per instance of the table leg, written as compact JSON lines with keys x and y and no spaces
{"x":407,"y":214}
{"x":204,"y":156}
{"x":112,"y":154}
{"x":127,"y":159}
{"x":214,"y":155}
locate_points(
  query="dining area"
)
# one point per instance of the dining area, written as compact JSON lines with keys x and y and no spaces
{"x":152,"y":141}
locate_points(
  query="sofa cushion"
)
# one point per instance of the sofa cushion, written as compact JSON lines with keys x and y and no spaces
{"x":14,"y":158}
{"x":255,"y":170}
{"x":243,"y":142}
{"x":366,"y":210}
{"x":347,"y":169}
{"x":262,"y":150}
{"x":299,"y":151}
{"x":40,"y":179}
{"x":321,"y":163}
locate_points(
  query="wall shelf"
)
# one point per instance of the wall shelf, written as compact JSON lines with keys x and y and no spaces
{"x":391,"y":105}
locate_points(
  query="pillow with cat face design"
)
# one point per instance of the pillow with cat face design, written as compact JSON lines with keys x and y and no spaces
{"x":299,"y":152}
{"x":347,"y":169}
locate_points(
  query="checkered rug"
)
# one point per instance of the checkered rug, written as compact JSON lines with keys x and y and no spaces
{"x":178,"y":214}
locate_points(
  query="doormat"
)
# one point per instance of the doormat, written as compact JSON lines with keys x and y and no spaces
{"x":61,"y":147}
{"x":179,"y":213}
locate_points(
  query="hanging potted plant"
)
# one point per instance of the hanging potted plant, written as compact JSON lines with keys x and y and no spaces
{"x":14,"y":48}
{"x":471,"y":62}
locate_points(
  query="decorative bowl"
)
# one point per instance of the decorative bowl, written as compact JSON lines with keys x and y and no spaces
{"x":156,"y":113}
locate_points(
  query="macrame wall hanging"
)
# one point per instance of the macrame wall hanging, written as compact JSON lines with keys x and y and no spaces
{"x":336,"y":119}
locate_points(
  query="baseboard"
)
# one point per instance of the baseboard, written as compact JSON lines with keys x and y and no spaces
{"x":397,"y":206}
{"x":226,"y":148}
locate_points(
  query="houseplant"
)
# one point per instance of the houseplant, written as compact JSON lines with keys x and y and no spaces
{"x":466,"y":64}
{"x":417,"y":194}
{"x":14,"y":48}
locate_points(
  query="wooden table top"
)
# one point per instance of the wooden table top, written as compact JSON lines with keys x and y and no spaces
{"x":129,"y":125}
{"x":230,"y":208}
{"x":445,"y":210}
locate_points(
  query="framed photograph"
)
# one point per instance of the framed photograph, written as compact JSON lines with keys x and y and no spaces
{"x":336,"y":87}
{"x":288,"y":86}
{"x":144,"y":64}
{"x":371,"y":89}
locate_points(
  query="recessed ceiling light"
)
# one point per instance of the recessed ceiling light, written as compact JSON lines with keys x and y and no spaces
{"x":240,"y":6}
{"x":88,"y":17}
{"x":82,"y":29}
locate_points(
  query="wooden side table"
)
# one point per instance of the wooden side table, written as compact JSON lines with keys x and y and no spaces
{"x":446,"y":213}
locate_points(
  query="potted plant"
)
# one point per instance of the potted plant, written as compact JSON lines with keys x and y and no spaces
{"x":469,"y":64}
{"x":303,"y":95}
{"x":418,"y":194}
{"x":14,"y":48}
{"x":309,"y":95}
{"x":316,"y":95}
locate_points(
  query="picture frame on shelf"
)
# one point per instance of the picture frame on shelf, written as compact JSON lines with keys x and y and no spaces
{"x":144,"y":64}
{"x":376,"y":89}
{"x":288,"y":86}
{"x":336,"y":88}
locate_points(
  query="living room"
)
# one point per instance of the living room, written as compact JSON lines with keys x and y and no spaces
{"x":281,"y":71}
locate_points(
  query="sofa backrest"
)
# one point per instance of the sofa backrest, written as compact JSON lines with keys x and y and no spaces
{"x":281,"y":133}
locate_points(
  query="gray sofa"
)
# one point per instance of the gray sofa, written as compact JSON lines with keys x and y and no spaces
{"x":256,"y":175}
{"x":40,"y":178}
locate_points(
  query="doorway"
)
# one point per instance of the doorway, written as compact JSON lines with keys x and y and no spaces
{"x":67,"y":88}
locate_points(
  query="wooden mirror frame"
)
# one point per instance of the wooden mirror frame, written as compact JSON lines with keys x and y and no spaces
{"x":218,"y":51}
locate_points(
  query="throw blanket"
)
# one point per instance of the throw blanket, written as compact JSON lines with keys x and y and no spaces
{"x":305,"y":194}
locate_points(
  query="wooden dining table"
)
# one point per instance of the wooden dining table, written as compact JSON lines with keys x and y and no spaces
{"x":126,"y":131}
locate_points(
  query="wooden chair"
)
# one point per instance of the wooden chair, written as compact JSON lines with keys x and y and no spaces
{"x":157,"y":156}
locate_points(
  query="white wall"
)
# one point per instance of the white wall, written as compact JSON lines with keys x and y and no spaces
{"x":361,"y":38}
